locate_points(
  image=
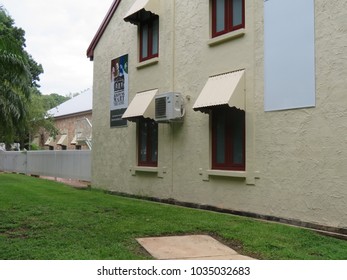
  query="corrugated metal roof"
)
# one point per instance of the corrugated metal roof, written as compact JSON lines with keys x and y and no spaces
{"x":142,"y":105}
{"x":224,"y":89}
{"x":80,"y":103}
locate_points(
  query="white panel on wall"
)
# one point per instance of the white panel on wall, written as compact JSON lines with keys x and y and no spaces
{"x":289,"y":59}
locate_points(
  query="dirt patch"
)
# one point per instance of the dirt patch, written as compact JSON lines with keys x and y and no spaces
{"x":21,"y":233}
{"x":74,"y":183}
{"x":237,"y":245}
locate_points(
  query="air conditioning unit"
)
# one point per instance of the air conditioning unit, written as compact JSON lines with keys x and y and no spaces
{"x":169,"y":107}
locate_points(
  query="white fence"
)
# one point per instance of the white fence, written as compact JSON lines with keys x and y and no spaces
{"x":60,"y":164}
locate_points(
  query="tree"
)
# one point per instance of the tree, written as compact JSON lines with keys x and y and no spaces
{"x":19,"y":74}
{"x":53,"y":100}
{"x":38,"y":122}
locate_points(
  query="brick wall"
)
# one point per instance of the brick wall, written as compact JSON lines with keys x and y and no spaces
{"x":68,"y":125}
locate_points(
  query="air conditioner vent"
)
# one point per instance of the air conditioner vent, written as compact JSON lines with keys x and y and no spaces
{"x":160,"y":107}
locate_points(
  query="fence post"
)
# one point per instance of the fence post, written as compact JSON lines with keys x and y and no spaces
{"x":26,"y":163}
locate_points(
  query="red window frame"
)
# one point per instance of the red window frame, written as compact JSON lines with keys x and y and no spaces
{"x":231,"y":117}
{"x":150,"y":50}
{"x":228,"y":18}
{"x":150,"y":127}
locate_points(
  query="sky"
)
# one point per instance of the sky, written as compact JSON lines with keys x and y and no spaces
{"x":58,"y":34}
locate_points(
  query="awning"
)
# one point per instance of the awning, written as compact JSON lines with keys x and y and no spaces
{"x":141,"y":106}
{"x":225,"y":89}
{"x":74,"y":140}
{"x":63,"y":140}
{"x":50,"y":141}
{"x":137,"y":12}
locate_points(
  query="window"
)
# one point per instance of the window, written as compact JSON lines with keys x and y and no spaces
{"x":147,"y":142}
{"x":228,"y":138}
{"x":227,"y":16}
{"x":149,"y":38}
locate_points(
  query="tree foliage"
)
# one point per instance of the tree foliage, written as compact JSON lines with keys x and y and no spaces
{"x":19,"y":76}
{"x":38,"y":122}
{"x":53,"y":100}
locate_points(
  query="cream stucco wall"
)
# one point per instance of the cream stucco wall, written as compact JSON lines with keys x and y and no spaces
{"x":295,"y":159}
{"x":302,"y":153}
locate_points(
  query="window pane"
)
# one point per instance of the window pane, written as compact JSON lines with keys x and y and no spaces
{"x":220,"y":15}
{"x":155,"y":36}
{"x":237,"y":12}
{"x":220,"y":138}
{"x":154,"y":132}
{"x":144,"y":38}
{"x":143,"y":141}
{"x":237,"y":138}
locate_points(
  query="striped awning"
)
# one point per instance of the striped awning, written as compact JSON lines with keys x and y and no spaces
{"x":74,"y":140}
{"x":225,"y":89}
{"x":135,"y":15}
{"x":63,"y":140}
{"x":141,"y":106}
{"x":50,"y":141}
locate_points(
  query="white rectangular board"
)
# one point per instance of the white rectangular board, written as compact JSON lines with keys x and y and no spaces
{"x":289,"y":54}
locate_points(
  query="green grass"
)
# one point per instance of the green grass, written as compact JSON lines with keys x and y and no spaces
{"x":42,"y":219}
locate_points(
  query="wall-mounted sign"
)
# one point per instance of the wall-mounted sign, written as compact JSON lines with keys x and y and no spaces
{"x":119,"y":98}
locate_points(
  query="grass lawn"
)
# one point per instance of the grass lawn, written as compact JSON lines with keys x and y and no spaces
{"x":41,"y":219}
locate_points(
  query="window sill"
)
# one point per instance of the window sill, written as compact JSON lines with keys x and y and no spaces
{"x":248,"y":176}
{"x":144,"y":169}
{"x":226,"y":37}
{"x":147,"y":169}
{"x":148,"y":62}
{"x":227,"y":173}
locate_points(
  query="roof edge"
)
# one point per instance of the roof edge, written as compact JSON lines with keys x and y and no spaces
{"x":99,"y":33}
{"x":73,"y":114}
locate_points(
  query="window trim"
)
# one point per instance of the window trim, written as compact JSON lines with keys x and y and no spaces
{"x":148,"y":162}
{"x":228,"y":165}
{"x":150,"y":54}
{"x":228,"y":18}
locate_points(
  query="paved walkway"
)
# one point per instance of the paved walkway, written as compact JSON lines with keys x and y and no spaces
{"x":189,"y":247}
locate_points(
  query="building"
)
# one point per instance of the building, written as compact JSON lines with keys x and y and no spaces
{"x":263,"y":92}
{"x":73,"y":119}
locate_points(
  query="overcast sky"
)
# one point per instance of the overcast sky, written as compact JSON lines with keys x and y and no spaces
{"x":58,"y":33}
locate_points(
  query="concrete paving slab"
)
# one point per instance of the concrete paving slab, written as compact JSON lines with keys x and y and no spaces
{"x":188,"y":247}
{"x":224,"y":257}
